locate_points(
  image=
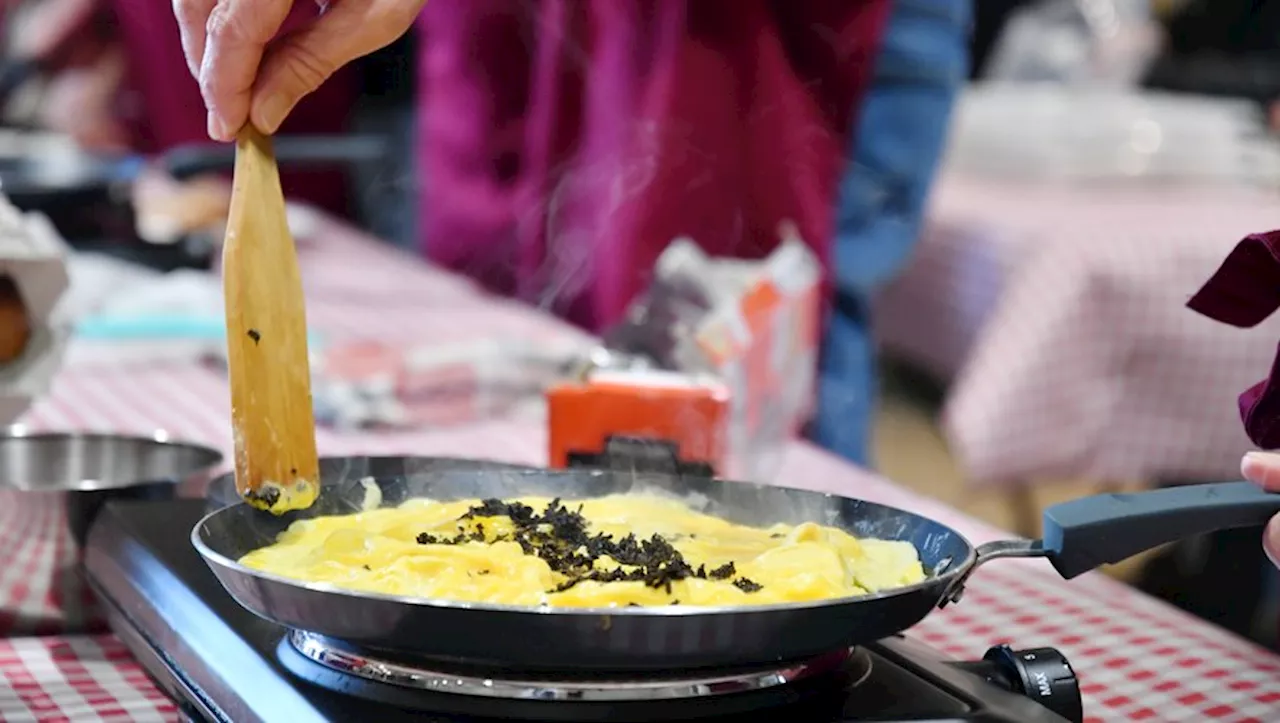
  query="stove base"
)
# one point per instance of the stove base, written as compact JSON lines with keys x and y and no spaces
{"x":430,"y":676}
{"x":222,"y":663}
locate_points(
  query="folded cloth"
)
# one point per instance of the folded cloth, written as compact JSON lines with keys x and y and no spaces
{"x":1243,"y":292}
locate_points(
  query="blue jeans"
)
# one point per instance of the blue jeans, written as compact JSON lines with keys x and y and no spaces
{"x":897,"y":142}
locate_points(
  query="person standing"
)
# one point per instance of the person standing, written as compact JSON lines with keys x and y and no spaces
{"x":562,"y":145}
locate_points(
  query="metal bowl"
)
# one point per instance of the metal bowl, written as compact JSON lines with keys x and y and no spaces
{"x":51,"y":489}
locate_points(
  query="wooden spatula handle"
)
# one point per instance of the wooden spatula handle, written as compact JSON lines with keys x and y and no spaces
{"x":272,"y":424}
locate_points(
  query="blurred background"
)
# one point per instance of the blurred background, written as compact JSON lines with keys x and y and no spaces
{"x":1102,"y":159}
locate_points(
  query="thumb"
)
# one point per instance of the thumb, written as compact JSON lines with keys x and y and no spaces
{"x":1263,"y":469}
{"x":298,"y":63}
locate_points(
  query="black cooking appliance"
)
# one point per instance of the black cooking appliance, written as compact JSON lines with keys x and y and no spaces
{"x":221,"y":662}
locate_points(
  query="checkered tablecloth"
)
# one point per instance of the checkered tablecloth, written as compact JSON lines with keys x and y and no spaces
{"x":1058,"y":315}
{"x":1138,"y":658}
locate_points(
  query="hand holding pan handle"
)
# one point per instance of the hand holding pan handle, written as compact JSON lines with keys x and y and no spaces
{"x":1083,"y":534}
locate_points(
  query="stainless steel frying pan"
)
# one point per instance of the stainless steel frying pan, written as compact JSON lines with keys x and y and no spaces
{"x":1079,"y":536}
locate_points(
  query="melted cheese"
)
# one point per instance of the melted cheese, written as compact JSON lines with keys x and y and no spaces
{"x":378,"y":551}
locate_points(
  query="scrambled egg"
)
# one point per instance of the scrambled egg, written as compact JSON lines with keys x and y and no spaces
{"x":610,"y":551}
{"x":279,"y":499}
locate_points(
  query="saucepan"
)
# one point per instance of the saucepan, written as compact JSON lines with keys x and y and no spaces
{"x":1079,"y":536}
{"x":51,"y":489}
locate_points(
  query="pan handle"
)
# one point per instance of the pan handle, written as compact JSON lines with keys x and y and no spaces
{"x":987,"y":552}
{"x":1084,"y":534}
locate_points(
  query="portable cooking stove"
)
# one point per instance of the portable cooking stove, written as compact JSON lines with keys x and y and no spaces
{"x":222,"y":663}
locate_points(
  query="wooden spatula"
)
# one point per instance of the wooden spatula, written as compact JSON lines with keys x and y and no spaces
{"x":272,"y":424}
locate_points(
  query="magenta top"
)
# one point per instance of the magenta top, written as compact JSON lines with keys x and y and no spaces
{"x":564,"y":143}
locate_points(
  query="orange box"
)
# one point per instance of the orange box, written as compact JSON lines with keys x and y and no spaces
{"x":691,"y":412}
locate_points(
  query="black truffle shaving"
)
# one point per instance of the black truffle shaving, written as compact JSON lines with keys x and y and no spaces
{"x":269,"y":496}
{"x":559,"y":537}
{"x":747,"y":585}
{"x":477,"y":535}
{"x":724,"y":572}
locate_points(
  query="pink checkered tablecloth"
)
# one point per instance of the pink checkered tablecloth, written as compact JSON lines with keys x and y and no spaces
{"x":1138,"y":658}
{"x":1058,"y":316}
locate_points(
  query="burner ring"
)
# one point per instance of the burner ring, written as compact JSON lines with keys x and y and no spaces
{"x":614,"y":689}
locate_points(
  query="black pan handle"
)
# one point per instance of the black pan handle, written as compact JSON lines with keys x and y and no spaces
{"x":188,"y":161}
{"x":1084,"y":534}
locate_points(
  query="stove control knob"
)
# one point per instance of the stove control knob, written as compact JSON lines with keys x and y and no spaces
{"x":1041,"y":674}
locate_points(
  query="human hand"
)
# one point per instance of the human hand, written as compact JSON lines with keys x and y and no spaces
{"x":248,"y":74}
{"x":1263,"y":468}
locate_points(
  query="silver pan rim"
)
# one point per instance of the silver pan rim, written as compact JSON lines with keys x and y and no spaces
{"x":945,"y":582}
{"x":637,"y":688}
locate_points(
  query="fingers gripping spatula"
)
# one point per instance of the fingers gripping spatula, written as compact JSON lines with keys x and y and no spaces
{"x":272,"y":424}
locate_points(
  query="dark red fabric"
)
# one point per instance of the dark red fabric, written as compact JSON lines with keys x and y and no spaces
{"x":565,"y":143}
{"x":166,"y":109}
{"x":1243,"y":292}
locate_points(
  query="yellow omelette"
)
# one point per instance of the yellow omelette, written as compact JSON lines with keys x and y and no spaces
{"x":610,"y":551}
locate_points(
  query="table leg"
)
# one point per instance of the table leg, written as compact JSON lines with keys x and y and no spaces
{"x":1025,"y":509}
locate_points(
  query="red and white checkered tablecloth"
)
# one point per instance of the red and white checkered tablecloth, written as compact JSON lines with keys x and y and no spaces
{"x":1058,"y":315}
{"x":1138,"y":658}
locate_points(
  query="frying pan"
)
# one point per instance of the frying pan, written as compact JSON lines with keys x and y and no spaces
{"x":1079,"y":536}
